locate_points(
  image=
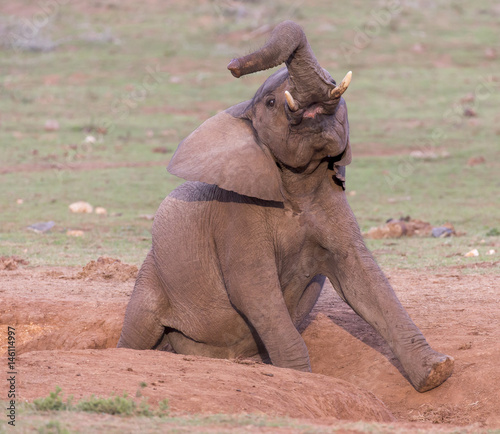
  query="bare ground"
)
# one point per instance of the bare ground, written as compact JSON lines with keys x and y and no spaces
{"x":68,"y":322}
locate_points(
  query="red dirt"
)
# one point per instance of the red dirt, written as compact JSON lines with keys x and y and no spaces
{"x":107,"y":268}
{"x":67,"y":328}
{"x":11,"y":262}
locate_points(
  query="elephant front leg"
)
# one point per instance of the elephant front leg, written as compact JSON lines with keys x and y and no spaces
{"x":260,"y":302}
{"x":256,"y":294}
{"x":360,"y":282}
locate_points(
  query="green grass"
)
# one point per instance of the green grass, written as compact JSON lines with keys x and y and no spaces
{"x":53,"y":402}
{"x":119,"y":415}
{"x":114,"y":405}
{"x":408,"y":82}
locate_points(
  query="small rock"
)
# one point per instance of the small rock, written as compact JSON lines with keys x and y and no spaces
{"x":472,"y":253}
{"x":418,"y":48}
{"x":51,"y":125}
{"x":398,"y":199}
{"x":90,"y":139}
{"x":474,"y":161}
{"x":161,"y":150}
{"x":147,"y":216}
{"x":19,"y":201}
{"x":42,"y":227}
{"x":150,"y":133}
{"x":352,"y":193}
{"x":490,"y":53}
{"x":429,"y":155}
{"x":101,"y":211}
{"x":442,"y":232}
{"x":75,"y":233}
{"x":469,"y":98}
{"x":470,"y":112}
{"x":491,"y":252}
{"x":81,"y":207}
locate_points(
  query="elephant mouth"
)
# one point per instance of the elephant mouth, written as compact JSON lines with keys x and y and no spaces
{"x":316,"y":116}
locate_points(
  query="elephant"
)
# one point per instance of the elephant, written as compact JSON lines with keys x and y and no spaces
{"x":241,"y":250}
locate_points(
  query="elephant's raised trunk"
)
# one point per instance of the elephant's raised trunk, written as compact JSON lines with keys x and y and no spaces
{"x":309,"y":82}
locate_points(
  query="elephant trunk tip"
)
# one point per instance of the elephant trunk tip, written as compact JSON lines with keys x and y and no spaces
{"x":235,"y":68}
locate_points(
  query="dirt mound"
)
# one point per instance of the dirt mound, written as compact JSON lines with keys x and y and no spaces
{"x":108,"y":268}
{"x":51,"y":325}
{"x":197,"y":385}
{"x":11,"y":262}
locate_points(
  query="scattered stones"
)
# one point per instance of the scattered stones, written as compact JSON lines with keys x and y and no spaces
{"x":408,"y":227}
{"x":75,"y":233}
{"x":11,"y":263}
{"x":101,"y":211}
{"x":41,"y":227}
{"x":81,"y":207}
{"x":472,"y":253}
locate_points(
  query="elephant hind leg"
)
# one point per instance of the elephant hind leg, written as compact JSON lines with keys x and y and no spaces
{"x":142,"y":328}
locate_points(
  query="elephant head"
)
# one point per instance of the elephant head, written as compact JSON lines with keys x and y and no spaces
{"x":296,"y":120}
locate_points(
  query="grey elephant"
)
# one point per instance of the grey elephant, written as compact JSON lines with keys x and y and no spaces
{"x":240,"y":252}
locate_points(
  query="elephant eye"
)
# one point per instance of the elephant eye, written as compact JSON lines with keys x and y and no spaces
{"x":271,"y":102}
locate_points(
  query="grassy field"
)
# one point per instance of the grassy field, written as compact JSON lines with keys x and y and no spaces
{"x":135,"y":81}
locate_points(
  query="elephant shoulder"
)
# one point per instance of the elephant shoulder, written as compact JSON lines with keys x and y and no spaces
{"x":195,"y":191}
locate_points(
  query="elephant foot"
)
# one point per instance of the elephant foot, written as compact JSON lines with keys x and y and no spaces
{"x":441,"y":367}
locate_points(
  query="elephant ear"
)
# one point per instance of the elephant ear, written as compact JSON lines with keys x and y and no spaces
{"x":223,"y":151}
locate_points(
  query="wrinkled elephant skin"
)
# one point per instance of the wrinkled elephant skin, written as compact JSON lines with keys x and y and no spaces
{"x":240,"y":252}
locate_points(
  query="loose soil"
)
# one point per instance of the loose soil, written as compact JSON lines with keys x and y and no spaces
{"x":68,"y":321}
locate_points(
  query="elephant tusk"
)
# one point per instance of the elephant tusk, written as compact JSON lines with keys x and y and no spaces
{"x":292,"y":105}
{"x":337,"y":91}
